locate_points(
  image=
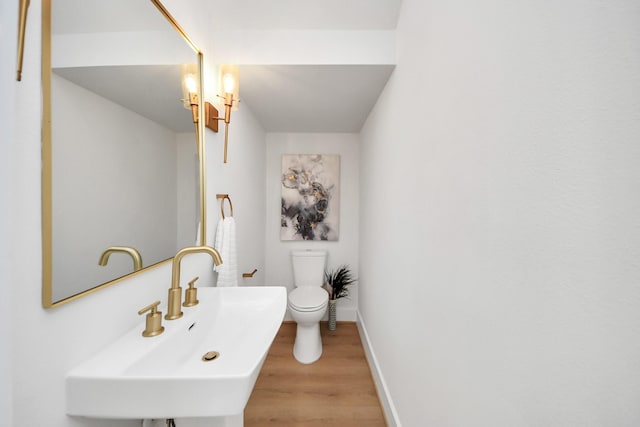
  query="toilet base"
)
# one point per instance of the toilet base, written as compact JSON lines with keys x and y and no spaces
{"x":307,"y":347}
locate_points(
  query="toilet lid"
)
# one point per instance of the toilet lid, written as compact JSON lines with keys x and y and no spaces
{"x":308,"y":297}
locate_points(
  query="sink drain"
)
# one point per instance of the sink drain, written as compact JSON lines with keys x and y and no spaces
{"x":210,"y":355}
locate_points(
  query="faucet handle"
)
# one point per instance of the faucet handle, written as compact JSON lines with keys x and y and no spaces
{"x":154,"y":320}
{"x":191,"y":297}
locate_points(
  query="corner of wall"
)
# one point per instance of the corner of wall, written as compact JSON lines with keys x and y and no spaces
{"x":390,"y":413}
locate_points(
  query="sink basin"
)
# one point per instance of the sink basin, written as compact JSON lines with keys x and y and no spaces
{"x":165,"y":376}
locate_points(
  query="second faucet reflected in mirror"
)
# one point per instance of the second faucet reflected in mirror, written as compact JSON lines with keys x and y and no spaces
{"x":132,"y":252}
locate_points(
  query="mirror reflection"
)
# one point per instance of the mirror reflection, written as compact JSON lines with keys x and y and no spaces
{"x":124,"y":167}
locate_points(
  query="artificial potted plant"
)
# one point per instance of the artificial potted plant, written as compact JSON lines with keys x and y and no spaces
{"x":338,"y":282}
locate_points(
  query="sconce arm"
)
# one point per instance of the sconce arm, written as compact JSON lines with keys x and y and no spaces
{"x":212,"y":118}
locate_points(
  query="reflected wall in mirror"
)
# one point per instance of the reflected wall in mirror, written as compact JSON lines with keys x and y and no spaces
{"x":120,"y":163}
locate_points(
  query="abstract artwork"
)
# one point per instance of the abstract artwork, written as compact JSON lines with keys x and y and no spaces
{"x":310,"y":197}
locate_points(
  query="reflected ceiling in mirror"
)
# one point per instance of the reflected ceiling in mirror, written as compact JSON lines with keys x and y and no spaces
{"x":149,"y":90}
{"x":120,"y":166}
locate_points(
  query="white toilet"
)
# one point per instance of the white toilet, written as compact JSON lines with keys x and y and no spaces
{"x":307,"y":303}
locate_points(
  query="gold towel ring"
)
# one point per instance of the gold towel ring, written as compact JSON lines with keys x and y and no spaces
{"x":223,"y":197}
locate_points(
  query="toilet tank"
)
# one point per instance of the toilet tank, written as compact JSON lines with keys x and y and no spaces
{"x":308,"y":267}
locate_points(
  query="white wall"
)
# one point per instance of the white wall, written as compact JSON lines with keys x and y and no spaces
{"x":136,"y":154}
{"x":8,"y":87}
{"x":242,"y":178}
{"x":502,"y":290}
{"x":343,"y":251}
{"x":70,"y":333}
{"x":187,"y":189}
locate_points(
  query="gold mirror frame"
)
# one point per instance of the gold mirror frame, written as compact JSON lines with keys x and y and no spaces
{"x":47,"y":255}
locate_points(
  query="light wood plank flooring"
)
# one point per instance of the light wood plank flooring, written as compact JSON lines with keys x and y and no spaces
{"x":337,"y":390}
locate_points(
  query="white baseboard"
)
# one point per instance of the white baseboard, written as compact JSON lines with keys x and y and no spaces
{"x":383,"y":393}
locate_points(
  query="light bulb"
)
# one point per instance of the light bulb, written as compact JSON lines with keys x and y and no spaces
{"x":228,"y":83}
{"x":190,"y":81}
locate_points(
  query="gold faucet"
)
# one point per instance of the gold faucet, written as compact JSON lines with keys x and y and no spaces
{"x":135,"y":255}
{"x":175,"y":292}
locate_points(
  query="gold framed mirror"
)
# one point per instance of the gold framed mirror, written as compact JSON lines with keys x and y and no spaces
{"x":122,"y":179}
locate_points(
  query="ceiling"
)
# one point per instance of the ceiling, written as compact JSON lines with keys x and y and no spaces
{"x":138,"y":88}
{"x":326,"y":96}
{"x":291,"y":95}
{"x":312,"y":98}
{"x":299,"y":14}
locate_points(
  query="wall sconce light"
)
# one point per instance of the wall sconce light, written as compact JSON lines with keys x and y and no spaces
{"x":190,"y":95}
{"x":230,"y":84}
{"x":190,"y":90}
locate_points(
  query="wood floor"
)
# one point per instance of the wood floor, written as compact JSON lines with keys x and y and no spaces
{"x":337,"y":390}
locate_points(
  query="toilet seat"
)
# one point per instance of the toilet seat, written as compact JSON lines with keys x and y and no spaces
{"x":308,"y":298}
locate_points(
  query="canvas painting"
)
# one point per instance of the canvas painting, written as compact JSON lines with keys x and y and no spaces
{"x":310,"y":197}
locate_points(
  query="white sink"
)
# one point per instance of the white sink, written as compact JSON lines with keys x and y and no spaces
{"x":165,"y":376}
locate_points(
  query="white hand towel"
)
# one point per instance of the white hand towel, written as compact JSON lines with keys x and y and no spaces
{"x":218,"y":244}
{"x":226,"y":245}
